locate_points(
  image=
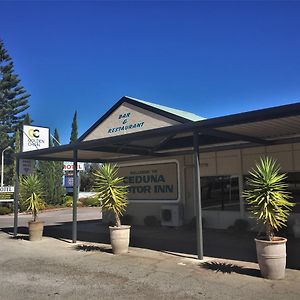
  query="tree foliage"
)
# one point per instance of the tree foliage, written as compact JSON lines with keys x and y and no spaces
{"x":87,"y":176}
{"x":56,"y":139}
{"x":13,"y":103}
{"x":267,"y":195}
{"x":51,"y":174}
{"x":13,"y":97}
{"x":74,"y":132}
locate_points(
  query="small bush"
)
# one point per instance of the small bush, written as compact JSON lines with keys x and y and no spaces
{"x":151,"y":221}
{"x":5,"y":210}
{"x":127,"y":219}
{"x":90,"y":201}
{"x":68,"y":201}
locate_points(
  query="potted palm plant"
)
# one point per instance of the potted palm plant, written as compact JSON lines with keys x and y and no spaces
{"x":112,"y":195}
{"x":31,"y":196}
{"x":268,"y":201}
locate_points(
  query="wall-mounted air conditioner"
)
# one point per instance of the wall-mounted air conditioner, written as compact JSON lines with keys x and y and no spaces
{"x":171,"y":215}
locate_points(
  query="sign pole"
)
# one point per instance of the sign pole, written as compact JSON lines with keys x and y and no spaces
{"x":198,"y":197}
{"x":2,"y":164}
{"x":16,"y":198}
{"x":75,"y":197}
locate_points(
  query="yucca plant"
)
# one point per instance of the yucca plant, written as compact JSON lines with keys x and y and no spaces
{"x":111,"y":191}
{"x":267,"y":195}
{"x":31,"y":194}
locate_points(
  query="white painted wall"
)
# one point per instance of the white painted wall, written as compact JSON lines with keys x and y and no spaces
{"x":230,"y":162}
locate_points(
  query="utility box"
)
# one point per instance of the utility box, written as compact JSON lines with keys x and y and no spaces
{"x":171,"y":215}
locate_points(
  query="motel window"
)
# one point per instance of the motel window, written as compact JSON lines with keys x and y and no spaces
{"x":220,"y":193}
{"x":294,"y":187}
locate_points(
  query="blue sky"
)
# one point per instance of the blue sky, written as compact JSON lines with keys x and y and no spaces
{"x":211,"y":58}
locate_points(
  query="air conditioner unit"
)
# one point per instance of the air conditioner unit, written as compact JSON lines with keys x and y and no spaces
{"x":171,"y":215}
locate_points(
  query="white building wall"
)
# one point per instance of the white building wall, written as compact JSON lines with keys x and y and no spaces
{"x":222,"y":163}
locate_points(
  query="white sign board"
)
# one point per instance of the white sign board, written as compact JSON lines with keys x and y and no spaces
{"x":152,"y":182}
{"x":69,"y":166}
{"x":26,"y":166}
{"x":7,"y":189}
{"x":35,"y":138}
{"x":7,"y":193}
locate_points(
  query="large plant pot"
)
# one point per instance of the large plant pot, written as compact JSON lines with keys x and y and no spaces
{"x":119,"y":238}
{"x":271,"y":256}
{"x":35,"y":230}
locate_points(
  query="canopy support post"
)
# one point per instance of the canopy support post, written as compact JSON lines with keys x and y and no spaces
{"x":198,"y":197}
{"x":16,"y":198}
{"x":75,"y":197}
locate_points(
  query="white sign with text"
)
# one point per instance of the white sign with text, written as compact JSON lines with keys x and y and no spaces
{"x":35,"y":138}
{"x":69,"y":166}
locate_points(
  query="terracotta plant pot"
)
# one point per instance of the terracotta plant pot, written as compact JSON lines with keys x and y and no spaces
{"x":271,"y":256}
{"x":35,"y":230}
{"x":119,"y":238}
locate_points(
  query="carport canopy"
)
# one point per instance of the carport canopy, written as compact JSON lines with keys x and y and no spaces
{"x":134,"y":130}
{"x":271,"y":126}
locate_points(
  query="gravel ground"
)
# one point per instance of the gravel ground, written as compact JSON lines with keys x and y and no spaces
{"x":54,"y":269}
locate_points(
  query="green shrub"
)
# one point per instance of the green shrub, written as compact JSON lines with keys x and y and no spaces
{"x":5,"y":210}
{"x":92,"y":201}
{"x":68,"y":201}
{"x":151,"y":221}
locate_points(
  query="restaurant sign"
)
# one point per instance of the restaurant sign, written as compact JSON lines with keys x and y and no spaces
{"x":128,"y":118}
{"x":151,"y":181}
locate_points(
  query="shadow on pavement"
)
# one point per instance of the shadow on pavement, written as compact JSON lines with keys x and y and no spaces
{"x":20,"y":237}
{"x":227,"y":268}
{"x":92,"y":248}
{"x":217,"y":243}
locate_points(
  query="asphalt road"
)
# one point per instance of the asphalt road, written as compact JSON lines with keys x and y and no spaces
{"x":53,"y":216}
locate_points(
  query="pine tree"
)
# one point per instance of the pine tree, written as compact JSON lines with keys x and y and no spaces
{"x":56,"y":140}
{"x":13,"y":103}
{"x":27,"y":119}
{"x":74,"y":132}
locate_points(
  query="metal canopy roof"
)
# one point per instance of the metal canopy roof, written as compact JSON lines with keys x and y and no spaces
{"x":276,"y":125}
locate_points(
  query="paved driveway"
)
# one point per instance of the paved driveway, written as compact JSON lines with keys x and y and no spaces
{"x":53,"y":269}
